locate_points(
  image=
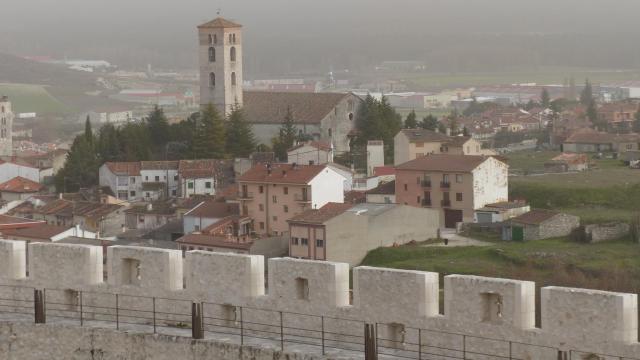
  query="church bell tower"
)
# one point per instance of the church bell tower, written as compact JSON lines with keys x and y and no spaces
{"x":220,"y":57}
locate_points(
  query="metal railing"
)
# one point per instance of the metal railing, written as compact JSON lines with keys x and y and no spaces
{"x":254,"y":326}
{"x":245,"y":195}
{"x":425,"y":183}
{"x":302,"y":198}
{"x":445,"y":203}
{"x":445,"y":184}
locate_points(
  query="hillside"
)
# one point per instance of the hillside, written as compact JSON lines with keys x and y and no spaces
{"x":48,"y":88}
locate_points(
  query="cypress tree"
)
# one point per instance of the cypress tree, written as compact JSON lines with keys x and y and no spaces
{"x":240,"y":139}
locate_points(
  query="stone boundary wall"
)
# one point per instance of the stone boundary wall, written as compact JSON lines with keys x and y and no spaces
{"x":572,"y":319}
{"x":606,"y":232}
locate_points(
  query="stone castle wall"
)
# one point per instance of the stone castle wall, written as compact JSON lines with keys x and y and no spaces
{"x":497,"y":315}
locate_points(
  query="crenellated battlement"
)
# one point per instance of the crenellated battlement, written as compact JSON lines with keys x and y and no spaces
{"x":586,"y":320}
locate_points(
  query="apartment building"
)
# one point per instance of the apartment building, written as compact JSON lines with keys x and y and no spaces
{"x":271,"y":194}
{"x":411,"y":144}
{"x":457,"y":185}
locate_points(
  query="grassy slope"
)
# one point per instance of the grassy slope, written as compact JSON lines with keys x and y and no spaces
{"x":31,"y":98}
{"x":607,"y":266}
{"x":610,"y":192}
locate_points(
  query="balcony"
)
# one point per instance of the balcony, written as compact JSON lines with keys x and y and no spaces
{"x":303,"y":198}
{"x":445,"y":203}
{"x":426,"y":202}
{"x":445,"y":185}
{"x":426,"y":183}
{"x":244,"y":195}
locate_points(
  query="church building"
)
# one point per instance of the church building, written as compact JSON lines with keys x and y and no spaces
{"x":329,"y":117}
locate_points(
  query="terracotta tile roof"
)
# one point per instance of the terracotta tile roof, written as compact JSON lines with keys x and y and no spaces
{"x":535,"y":217}
{"x":219,"y":23}
{"x":214,"y":209}
{"x":423,"y":135}
{"x":384,"y":170}
{"x":159,"y":165}
{"x":213,"y":241}
{"x":590,"y":136}
{"x":200,"y":168}
{"x":320,"y":145}
{"x":42,"y":232}
{"x":86,"y":209}
{"x":444,"y":162}
{"x":388,"y":188}
{"x":322,"y":215}
{"x":263,"y":107}
{"x":12,"y":222}
{"x":282,"y":174}
{"x":124,"y":168}
{"x":355,"y":197}
{"x":21,"y":185}
{"x":571,"y":158}
{"x":155,"y":209}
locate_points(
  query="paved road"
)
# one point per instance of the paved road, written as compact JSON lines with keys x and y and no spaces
{"x":458,"y":240}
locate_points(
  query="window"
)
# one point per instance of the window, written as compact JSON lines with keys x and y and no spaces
{"x":445,"y":178}
{"x":157,"y":178}
{"x":261,"y":189}
{"x":261,"y":225}
{"x":175,"y":177}
{"x":406,"y":187}
{"x":141,"y":219}
{"x":190,"y":185}
{"x":351,"y":116}
{"x":174,"y":192}
{"x":148,"y":194}
{"x":207,"y":185}
{"x":196,"y":228}
{"x":285,"y":190}
{"x":234,"y":38}
{"x":132,"y":193}
{"x":131,"y":272}
{"x":304,"y":242}
{"x":133,"y":180}
{"x":319,"y":243}
{"x":261,"y":207}
{"x":215,"y":38}
{"x":329,"y":132}
{"x":210,"y":39}
{"x":212,"y":54}
{"x":233,"y":78}
{"x":419,"y":144}
{"x":212,"y":79}
{"x":285,"y":208}
{"x":458,"y":196}
{"x":274,"y":199}
{"x":232,"y":53}
{"x":302,"y":288}
{"x":146,"y":178}
{"x":459,"y":178}
{"x":418,"y":199}
{"x":230,"y":38}
{"x":418,"y":180}
{"x":275,"y":218}
{"x":294,"y":241}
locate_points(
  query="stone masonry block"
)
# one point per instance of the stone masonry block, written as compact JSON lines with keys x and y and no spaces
{"x":13,"y":260}
{"x":374,"y":288}
{"x":470,"y":300}
{"x":65,"y":266}
{"x":589,"y":315}
{"x":153,"y":271}
{"x":307,"y":285}
{"x":224,"y":278}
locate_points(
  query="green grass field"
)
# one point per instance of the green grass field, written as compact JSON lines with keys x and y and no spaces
{"x":607,"y":266}
{"x":547,"y":75}
{"x":31,"y":98}
{"x":609,"y":192}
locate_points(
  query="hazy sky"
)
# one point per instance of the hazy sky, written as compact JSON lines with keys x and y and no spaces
{"x":145,"y":30}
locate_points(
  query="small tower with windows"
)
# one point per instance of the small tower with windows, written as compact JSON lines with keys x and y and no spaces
{"x":220,"y":57}
{"x":6,"y":127}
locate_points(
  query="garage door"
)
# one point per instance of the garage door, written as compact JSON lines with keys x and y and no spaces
{"x":517,"y":233}
{"x":451,"y":218}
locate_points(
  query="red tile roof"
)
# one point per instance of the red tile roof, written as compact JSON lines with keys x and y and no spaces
{"x":322,"y":215}
{"x":41,"y":232}
{"x":12,"y":222}
{"x":590,"y":136}
{"x":213,"y":241}
{"x":535,"y":217}
{"x":219,"y":23}
{"x":282,"y":174}
{"x":214,"y":209}
{"x":384,"y":171}
{"x":264,"y":107}
{"x":444,"y":162}
{"x":21,"y":185}
{"x":124,"y":168}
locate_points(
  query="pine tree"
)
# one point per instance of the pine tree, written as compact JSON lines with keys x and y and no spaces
{"x":240,"y":139}
{"x":210,"y":139}
{"x":465,"y":131}
{"x":286,"y":137}
{"x":135,"y":142}
{"x":586,"y":96}
{"x":88,"y":132}
{"x":430,"y":123}
{"x":81,"y":167}
{"x":108,"y":147}
{"x":442,"y":128}
{"x":158,"y":126}
{"x":411,"y":122}
{"x":546,"y":100}
{"x":592,"y":115}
